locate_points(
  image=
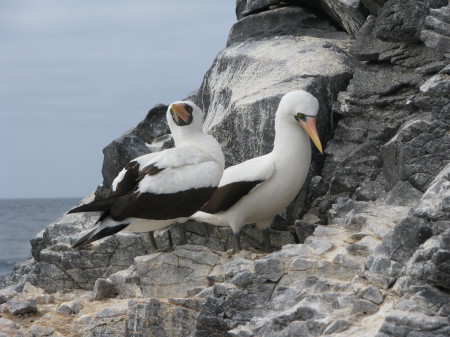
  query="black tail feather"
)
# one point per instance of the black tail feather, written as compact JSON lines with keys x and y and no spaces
{"x":95,"y":206}
{"x":93,"y":235}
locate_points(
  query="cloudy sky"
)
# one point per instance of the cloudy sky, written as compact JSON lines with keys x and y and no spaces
{"x":74,"y":75}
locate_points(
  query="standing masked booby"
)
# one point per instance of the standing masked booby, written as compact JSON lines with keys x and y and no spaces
{"x":258,"y":189}
{"x":158,"y":189}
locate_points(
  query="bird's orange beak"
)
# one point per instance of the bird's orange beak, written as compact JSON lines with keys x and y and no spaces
{"x":180,"y":112}
{"x":310,"y":128}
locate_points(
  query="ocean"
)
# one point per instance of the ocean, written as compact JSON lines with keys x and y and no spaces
{"x":21,"y":220}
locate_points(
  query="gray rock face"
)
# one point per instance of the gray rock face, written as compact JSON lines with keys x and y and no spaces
{"x":367,"y":46}
{"x":373,"y":6}
{"x":110,"y":321}
{"x":192,"y":264}
{"x":57,"y":266}
{"x":414,"y":260}
{"x":153,"y":317}
{"x":236,"y":88}
{"x":403,"y":194}
{"x":435,"y":202}
{"x":350,"y":15}
{"x":436,"y":27}
{"x":417,"y":153}
{"x":401,"y":21}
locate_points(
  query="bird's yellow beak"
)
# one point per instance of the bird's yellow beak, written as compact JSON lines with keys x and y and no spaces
{"x":310,"y":128}
{"x":180,"y":112}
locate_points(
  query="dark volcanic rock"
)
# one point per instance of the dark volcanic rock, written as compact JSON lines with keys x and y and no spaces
{"x":417,"y":153}
{"x":248,"y":7}
{"x":278,"y":22}
{"x":134,"y":143}
{"x":436,"y":27}
{"x":367,"y":46}
{"x":401,"y":20}
{"x":373,"y":6}
{"x":349,"y":15}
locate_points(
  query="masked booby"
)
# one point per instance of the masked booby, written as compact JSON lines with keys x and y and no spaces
{"x":256,"y":190}
{"x":158,"y":189}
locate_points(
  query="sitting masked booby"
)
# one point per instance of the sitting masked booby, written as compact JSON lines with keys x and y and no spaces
{"x":258,"y":189}
{"x":158,"y":189}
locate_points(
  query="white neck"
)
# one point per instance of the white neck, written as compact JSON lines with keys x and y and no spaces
{"x":202,"y":141}
{"x":291,"y":145}
{"x":180,"y":134}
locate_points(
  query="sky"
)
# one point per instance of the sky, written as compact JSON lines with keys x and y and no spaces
{"x":75,"y":75}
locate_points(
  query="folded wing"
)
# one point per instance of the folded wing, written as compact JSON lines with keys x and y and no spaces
{"x":238,"y":181}
{"x":170,"y":184}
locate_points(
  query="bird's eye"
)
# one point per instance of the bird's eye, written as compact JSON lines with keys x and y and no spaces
{"x":298,"y":117}
{"x":188,"y":108}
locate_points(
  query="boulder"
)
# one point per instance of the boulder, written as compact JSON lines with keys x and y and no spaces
{"x":19,"y":307}
{"x":69,"y":308}
{"x":104,"y":288}
{"x":6,"y":294}
{"x":289,"y":21}
{"x":401,"y":20}
{"x":435,"y":31}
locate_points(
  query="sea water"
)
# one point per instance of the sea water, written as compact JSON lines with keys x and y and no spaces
{"x":21,"y":220}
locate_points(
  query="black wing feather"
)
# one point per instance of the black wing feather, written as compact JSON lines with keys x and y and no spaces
{"x":129,"y":180}
{"x":126,"y":186}
{"x":96,"y":205}
{"x":161,"y":206}
{"x":93,"y":236}
{"x":227,"y":195}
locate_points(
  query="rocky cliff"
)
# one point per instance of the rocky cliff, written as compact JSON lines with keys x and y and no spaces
{"x":364,"y":250}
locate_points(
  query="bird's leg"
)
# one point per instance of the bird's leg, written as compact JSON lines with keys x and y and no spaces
{"x":182,"y":233}
{"x":153,"y":245}
{"x":266,"y":237}
{"x":169,"y":237}
{"x":237,"y":242}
